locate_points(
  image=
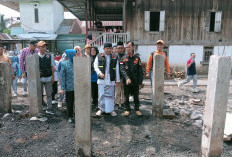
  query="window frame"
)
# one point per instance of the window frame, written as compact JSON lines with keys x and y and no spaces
{"x":207,"y":49}
{"x":217,"y":21}
{"x":147,"y":18}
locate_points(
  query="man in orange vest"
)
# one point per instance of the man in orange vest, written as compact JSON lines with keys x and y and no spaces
{"x":158,"y":51}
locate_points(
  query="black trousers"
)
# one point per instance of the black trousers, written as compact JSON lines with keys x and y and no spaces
{"x":94,"y":92}
{"x":54,"y":90}
{"x":134,"y":91}
{"x":70,"y":102}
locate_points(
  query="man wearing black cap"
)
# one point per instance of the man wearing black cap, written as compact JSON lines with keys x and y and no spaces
{"x":132,"y":72}
{"x":30,"y":50}
{"x":119,"y":91}
{"x":106,"y":66}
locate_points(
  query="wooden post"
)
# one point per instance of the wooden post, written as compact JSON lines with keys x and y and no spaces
{"x":158,"y":85}
{"x":124,"y":15}
{"x":86,"y":19}
{"x":5,"y":88}
{"x":216,"y":106}
{"x":34,"y":85}
{"x":83,"y":107}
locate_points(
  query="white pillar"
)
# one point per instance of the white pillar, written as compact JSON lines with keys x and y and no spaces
{"x":34,"y":85}
{"x":158,"y":86}
{"x":83,"y":108}
{"x":216,"y":106}
{"x":5,"y":88}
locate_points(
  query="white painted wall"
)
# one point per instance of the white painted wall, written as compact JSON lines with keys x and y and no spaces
{"x":145,"y":51}
{"x":50,"y":16}
{"x":58,"y":14}
{"x":179,"y":54}
{"x":218,"y":50}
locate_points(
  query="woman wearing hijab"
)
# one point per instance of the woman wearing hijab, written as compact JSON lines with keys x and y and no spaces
{"x":94,"y":86}
{"x":15,"y":67}
{"x":78,"y":51}
{"x":67,"y":83}
{"x":61,"y":98}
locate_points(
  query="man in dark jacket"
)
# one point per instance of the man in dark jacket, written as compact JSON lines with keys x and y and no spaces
{"x":119,"y":91}
{"x":46,"y":67}
{"x":132,"y":72}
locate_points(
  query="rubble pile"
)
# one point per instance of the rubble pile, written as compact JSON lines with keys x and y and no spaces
{"x":189,"y":109}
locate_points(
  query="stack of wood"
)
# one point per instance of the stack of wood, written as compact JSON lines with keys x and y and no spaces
{"x":177,"y":74}
{"x":174,"y":73}
{"x":144,"y":69}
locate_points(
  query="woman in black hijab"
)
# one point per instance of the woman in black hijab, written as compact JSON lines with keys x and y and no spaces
{"x":94,"y":86}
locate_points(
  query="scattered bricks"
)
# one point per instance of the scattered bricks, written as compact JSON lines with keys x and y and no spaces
{"x":176,"y":110}
{"x":198,"y":123}
{"x":168,"y":114}
{"x":195,"y":116}
{"x":184,"y":113}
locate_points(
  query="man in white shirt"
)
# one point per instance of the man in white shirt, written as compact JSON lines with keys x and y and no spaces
{"x":106,"y":66}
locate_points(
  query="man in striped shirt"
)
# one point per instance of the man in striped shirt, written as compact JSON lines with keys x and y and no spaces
{"x":30,"y":50}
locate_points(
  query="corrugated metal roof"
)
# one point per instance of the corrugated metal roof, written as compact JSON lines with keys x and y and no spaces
{"x":106,"y":10}
{"x":4,"y":36}
{"x":71,"y":26}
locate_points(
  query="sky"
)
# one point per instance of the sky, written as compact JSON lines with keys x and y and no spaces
{"x":11,"y":13}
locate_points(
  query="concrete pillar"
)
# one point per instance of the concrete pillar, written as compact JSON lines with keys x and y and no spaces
{"x":216,"y":106}
{"x":83,"y":108}
{"x":158,"y":86}
{"x":5,"y":88}
{"x":34,"y":85}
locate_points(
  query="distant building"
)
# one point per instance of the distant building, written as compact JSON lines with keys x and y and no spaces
{"x":44,"y":20}
{"x":199,"y":26}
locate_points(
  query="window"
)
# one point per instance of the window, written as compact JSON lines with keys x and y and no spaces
{"x":154,"y":21}
{"x":212,"y":22}
{"x":208,"y":51}
{"x":215,"y":21}
{"x":36,"y":15}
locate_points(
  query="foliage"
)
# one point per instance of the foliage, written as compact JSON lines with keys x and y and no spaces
{"x":4,"y":24}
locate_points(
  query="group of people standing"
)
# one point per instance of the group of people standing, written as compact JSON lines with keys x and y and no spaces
{"x":116,"y":74}
{"x":122,"y":70}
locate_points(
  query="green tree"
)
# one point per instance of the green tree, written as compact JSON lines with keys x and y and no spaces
{"x":4,"y":24}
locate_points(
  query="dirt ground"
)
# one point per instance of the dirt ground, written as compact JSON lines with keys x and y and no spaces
{"x":112,"y":136}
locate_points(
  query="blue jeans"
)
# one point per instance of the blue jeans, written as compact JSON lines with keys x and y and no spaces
{"x":187,"y":80}
{"x":14,"y":84}
{"x":151,"y":76}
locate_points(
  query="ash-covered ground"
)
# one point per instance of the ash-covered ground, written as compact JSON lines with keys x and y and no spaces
{"x":112,"y":136}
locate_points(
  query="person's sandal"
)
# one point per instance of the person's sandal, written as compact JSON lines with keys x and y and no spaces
{"x":126,"y":113}
{"x":99,"y":112}
{"x":113,"y":114}
{"x":138,"y":113}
